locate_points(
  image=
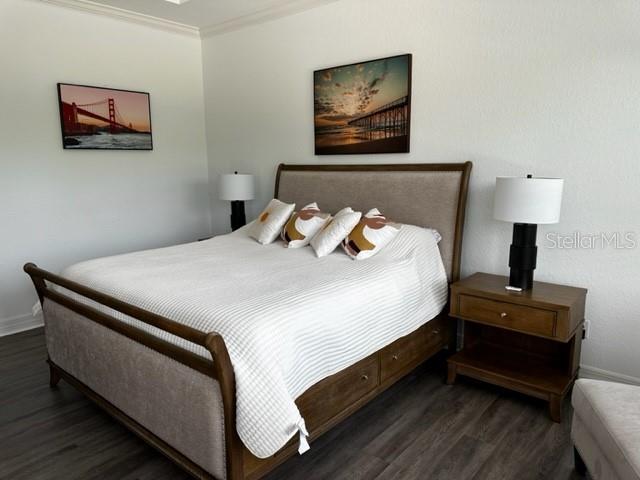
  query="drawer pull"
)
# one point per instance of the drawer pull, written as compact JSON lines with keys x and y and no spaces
{"x":395,"y":357}
{"x":435,"y":332}
{"x":503,"y":315}
{"x":364,"y":378}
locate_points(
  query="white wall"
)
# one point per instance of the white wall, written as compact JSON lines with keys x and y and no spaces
{"x":61,"y":206}
{"x":547,"y":87}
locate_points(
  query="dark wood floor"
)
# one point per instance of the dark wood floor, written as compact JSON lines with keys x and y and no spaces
{"x":419,"y":429}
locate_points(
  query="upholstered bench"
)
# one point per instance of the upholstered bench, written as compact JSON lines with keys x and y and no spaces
{"x":606,"y":429}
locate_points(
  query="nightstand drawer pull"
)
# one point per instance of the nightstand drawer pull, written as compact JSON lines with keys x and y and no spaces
{"x":364,"y":378}
{"x":394,"y":357}
{"x":503,"y":315}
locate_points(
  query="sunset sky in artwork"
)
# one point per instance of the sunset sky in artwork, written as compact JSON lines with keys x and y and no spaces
{"x":133,"y":107}
{"x":343,"y":93}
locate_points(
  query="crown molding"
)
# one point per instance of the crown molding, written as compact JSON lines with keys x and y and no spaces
{"x":274,"y":12}
{"x":127,"y":15}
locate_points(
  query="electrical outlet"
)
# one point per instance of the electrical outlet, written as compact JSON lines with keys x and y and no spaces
{"x":586,"y":329}
{"x":36,"y":309}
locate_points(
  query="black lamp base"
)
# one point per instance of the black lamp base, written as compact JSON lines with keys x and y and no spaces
{"x":522,"y":255}
{"x":238,"y":218}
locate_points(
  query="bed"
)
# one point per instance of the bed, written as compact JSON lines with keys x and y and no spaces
{"x":172,"y":381}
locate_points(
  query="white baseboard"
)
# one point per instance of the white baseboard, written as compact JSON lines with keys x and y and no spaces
{"x":19,"y":323}
{"x":598,"y":374}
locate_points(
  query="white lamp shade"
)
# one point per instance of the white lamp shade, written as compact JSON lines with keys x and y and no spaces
{"x":236,"y":187}
{"x":528,"y":200}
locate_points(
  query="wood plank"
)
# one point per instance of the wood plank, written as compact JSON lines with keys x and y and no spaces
{"x":442,"y":429}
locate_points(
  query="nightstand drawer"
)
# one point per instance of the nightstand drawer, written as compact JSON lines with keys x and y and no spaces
{"x":517,"y":317}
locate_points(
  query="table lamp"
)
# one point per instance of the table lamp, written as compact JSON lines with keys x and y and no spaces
{"x":526,"y":202}
{"x":236,"y":188}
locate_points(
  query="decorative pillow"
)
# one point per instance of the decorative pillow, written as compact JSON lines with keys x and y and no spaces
{"x":335,"y":231}
{"x":268,"y":225}
{"x":303,"y":225}
{"x":371,"y":235}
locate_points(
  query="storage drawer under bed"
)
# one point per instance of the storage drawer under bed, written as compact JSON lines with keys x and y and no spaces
{"x":333,"y":394}
{"x":405,"y":352}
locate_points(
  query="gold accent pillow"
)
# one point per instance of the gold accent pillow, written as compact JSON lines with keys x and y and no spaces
{"x":335,"y":231}
{"x":372,"y":233}
{"x":303,"y":226}
{"x":267,"y":226}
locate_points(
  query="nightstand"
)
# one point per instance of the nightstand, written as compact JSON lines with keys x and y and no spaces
{"x":525,"y":341}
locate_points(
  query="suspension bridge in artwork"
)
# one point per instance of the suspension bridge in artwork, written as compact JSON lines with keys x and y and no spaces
{"x":105,"y":111}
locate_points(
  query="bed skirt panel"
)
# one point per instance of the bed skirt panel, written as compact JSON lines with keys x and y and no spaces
{"x":181,"y":406}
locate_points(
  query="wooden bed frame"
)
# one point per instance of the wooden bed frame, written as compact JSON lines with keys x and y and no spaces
{"x":323,"y":405}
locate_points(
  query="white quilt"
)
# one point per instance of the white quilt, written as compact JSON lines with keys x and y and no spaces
{"x":288,"y":319}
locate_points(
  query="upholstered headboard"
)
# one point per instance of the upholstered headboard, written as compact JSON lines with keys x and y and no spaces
{"x":428,"y":195}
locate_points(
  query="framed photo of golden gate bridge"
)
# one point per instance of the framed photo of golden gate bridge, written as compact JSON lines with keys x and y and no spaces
{"x":104,"y":118}
{"x":363,"y":107}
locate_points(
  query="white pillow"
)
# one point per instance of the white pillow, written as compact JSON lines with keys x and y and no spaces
{"x":267,"y":226}
{"x":335,"y":231}
{"x":302,"y":226}
{"x":373,"y":232}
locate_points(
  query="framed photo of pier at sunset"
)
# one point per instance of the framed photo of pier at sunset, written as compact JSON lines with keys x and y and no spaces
{"x":98,"y":118}
{"x":363,"y":107}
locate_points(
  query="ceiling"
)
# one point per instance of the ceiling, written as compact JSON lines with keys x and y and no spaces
{"x":199,"y":16}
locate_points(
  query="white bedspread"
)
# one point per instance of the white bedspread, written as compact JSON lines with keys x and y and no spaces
{"x":288,"y":319}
